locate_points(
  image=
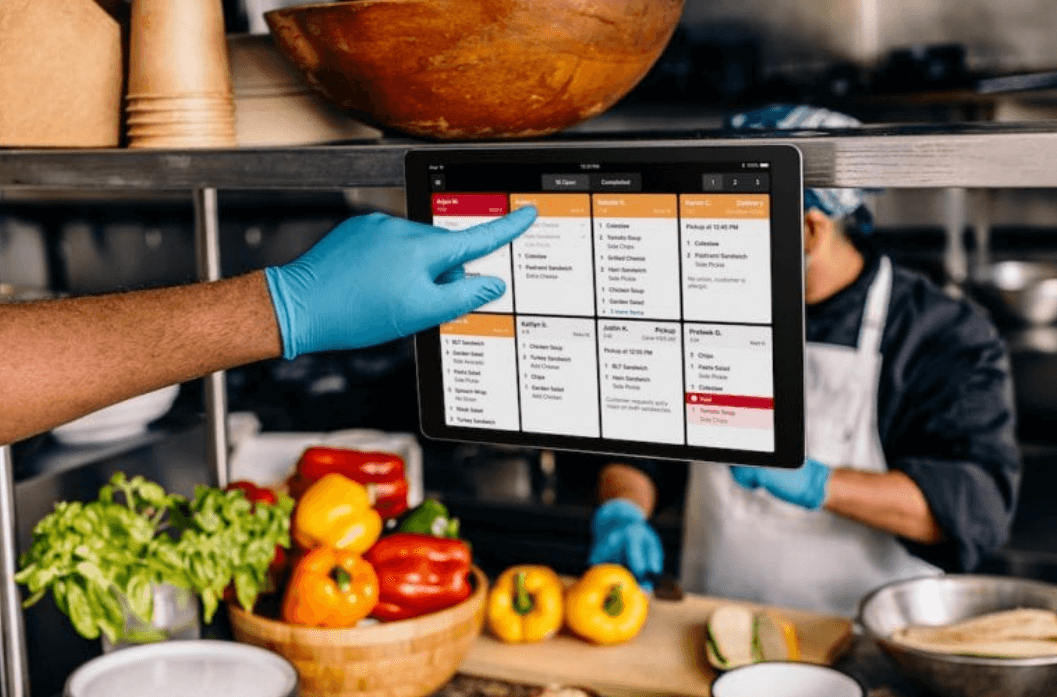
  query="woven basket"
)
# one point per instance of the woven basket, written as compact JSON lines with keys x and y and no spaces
{"x":409,"y":658}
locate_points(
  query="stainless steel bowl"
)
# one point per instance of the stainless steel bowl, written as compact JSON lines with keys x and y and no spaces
{"x":1024,"y":291}
{"x":939,"y":600}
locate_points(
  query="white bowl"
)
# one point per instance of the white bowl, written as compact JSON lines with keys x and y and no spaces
{"x":203,"y":668}
{"x":786,"y":679}
{"x":118,"y":421}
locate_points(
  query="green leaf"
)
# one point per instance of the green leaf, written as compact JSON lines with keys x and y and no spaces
{"x":210,"y":602}
{"x":81,"y":612}
{"x":246,"y":588}
{"x":140,"y":596}
{"x":94,"y":574}
{"x":153,"y":494}
{"x":58,"y":591}
{"x":146,"y":635}
{"x":35,"y":598}
{"x":112,"y":617}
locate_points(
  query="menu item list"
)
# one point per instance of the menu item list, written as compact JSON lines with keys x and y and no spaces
{"x":639,"y":317}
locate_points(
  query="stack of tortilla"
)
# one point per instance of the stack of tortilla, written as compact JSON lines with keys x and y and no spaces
{"x":1019,"y":633}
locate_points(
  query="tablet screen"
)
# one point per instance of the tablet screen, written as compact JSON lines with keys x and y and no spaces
{"x":654,"y":308}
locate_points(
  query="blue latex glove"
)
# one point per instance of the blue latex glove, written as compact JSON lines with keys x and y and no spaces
{"x":621,"y":535}
{"x":805,"y":486}
{"x":375,"y":278}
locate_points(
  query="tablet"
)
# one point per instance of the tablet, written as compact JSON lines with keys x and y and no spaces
{"x":654,"y":308}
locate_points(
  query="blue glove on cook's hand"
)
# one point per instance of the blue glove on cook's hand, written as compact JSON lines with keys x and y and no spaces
{"x":622,"y":536}
{"x":805,"y":486}
{"x":375,"y":278}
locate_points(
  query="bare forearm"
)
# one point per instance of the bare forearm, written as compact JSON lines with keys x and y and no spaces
{"x":618,"y":481}
{"x":63,"y":359}
{"x":889,"y":501}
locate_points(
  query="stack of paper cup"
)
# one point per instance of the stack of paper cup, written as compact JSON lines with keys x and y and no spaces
{"x":179,"y":85}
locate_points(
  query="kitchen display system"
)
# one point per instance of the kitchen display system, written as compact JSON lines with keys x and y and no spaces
{"x":654,"y":308}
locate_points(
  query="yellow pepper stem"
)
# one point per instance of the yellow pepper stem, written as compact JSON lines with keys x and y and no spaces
{"x":614,"y":602}
{"x":342,"y":578}
{"x":523,"y":600}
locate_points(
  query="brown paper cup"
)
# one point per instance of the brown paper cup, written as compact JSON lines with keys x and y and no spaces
{"x":179,"y":117}
{"x":147,"y":96}
{"x":178,"y":143}
{"x":177,"y":104}
{"x":189,"y":135}
{"x":185,"y":128}
{"x":182,"y":102}
{"x":178,"y":48}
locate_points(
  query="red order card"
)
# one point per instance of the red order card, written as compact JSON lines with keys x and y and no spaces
{"x":470,"y":204}
{"x":729,"y":400}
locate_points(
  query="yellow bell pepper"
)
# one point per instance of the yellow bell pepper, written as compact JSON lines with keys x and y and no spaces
{"x":606,"y":606}
{"x":336,"y":512}
{"x":525,"y":604}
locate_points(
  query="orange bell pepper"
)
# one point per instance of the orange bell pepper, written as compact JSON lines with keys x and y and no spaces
{"x":330,"y":588}
{"x":336,"y":512}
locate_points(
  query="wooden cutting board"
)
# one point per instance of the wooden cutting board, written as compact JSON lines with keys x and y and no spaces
{"x":666,"y":658}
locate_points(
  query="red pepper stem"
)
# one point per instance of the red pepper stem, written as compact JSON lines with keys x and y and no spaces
{"x":614,"y":602}
{"x":523,"y":600}
{"x":342,"y":578}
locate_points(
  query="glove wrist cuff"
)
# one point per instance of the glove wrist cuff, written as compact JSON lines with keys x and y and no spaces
{"x":273,"y":275}
{"x":822,"y":476}
{"x":626,"y":507}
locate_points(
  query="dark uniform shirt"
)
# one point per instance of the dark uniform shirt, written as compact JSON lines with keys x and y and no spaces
{"x":945,"y":409}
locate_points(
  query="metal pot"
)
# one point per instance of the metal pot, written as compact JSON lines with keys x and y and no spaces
{"x":939,"y":600}
{"x":1022,"y":291}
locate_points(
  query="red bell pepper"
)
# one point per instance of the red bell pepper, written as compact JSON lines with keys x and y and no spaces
{"x":418,"y":574}
{"x":253,"y":492}
{"x":382,"y":474}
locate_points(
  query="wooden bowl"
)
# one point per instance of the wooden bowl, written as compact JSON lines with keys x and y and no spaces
{"x":409,"y":658}
{"x":475,"y":69}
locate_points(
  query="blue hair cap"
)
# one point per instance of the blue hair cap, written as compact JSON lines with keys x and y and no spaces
{"x":836,"y":203}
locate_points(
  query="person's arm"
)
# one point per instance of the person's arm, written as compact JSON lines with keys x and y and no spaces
{"x":620,"y":481}
{"x":888,"y":501}
{"x":953,"y":430}
{"x":620,"y":528}
{"x":370,"y":280}
{"x":65,"y":358}
{"x":950,"y":491}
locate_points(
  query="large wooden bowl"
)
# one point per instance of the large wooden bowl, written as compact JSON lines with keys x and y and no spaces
{"x":409,"y":658}
{"x":475,"y":69}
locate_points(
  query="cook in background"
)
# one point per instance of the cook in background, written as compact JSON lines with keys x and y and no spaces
{"x":912,"y":466}
{"x":372,"y":279}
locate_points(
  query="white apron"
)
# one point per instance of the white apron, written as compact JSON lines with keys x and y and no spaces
{"x":749,"y":544}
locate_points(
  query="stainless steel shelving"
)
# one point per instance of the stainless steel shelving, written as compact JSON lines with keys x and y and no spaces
{"x":913,"y":156}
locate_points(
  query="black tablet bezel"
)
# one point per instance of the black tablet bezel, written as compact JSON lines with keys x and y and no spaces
{"x":785,"y":163}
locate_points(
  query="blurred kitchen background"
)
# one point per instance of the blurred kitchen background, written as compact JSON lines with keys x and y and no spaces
{"x":900,"y":61}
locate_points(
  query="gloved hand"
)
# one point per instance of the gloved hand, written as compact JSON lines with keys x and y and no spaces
{"x":375,"y":278}
{"x":621,"y":535}
{"x":805,"y":486}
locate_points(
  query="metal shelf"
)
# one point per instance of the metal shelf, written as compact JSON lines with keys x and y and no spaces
{"x":911,"y":156}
